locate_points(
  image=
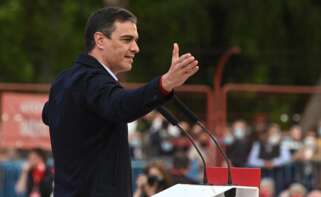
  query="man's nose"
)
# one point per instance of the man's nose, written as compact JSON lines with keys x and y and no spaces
{"x":134,"y":47}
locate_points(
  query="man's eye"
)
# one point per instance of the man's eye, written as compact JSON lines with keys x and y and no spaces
{"x":127,"y":39}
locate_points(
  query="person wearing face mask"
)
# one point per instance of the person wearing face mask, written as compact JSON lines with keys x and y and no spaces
{"x":309,"y":147}
{"x":228,"y":138}
{"x":154,"y":179}
{"x":203,"y":142}
{"x":269,"y":152}
{"x":240,"y":147}
{"x":294,"y":142}
{"x":155,"y":140}
{"x":312,"y":157}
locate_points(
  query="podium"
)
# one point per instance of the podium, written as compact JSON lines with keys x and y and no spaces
{"x":245,"y":182}
{"x":240,"y":176}
{"x":186,"y":190}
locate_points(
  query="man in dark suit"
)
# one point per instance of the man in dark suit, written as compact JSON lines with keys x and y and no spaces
{"x":88,"y":110}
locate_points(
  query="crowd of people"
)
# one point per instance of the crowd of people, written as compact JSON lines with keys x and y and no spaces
{"x":290,"y":160}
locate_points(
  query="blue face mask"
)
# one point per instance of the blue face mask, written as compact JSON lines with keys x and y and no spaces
{"x":166,"y":146}
{"x":228,"y":139}
{"x":239,"y":133}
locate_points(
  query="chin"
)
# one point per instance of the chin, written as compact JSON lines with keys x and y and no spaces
{"x":126,"y":68}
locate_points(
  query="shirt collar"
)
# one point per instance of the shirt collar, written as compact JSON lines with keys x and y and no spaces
{"x":109,"y":71}
{"x":89,"y":60}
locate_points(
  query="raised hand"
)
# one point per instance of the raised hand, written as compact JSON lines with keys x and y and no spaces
{"x":182,"y":67}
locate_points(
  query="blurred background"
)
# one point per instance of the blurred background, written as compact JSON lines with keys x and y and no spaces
{"x":258,"y":88}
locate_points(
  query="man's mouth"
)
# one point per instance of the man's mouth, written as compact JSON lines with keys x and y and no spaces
{"x":130,"y":57}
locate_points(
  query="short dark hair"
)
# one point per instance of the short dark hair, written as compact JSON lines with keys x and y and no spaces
{"x":103,"y":21}
{"x":40,"y":153}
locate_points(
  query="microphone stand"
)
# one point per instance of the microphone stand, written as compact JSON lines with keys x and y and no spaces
{"x":174,"y":121}
{"x":168,"y":116}
{"x":196,"y":120}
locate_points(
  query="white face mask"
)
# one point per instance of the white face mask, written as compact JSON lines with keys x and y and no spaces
{"x":173,"y":131}
{"x":135,"y":142}
{"x":274,"y":139}
{"x":239,"y":133}
{"x":157,"y":123}
{"x":309,"y":141}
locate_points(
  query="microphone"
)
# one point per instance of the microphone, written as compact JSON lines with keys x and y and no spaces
{"x":171,"y":118}
{"x":195,"y":120}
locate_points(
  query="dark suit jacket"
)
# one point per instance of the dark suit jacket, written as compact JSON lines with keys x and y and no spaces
{"x":87,"y":113}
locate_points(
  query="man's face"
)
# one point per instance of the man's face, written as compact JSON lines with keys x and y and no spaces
{"x":119,"y":50}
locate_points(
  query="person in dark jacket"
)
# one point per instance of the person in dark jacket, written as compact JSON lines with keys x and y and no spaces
{"x":181,"y":165}
{"x":269,"y":152}
{"x":241,"y":144}
{"x":88,"y":109}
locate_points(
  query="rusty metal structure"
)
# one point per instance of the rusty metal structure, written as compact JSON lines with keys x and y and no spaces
{"x":216,"y":97}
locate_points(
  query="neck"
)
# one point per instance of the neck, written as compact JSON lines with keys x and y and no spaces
{"x":98,"y":56}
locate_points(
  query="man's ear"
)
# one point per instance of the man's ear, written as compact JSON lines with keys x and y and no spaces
{"x":99,"y":40}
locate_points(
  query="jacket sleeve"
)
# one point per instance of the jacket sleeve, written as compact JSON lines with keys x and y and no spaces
{"x":107,"y":98}
{"x":254,"y":158}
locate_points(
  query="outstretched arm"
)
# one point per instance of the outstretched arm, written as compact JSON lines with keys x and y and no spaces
{"x":116,"y":104}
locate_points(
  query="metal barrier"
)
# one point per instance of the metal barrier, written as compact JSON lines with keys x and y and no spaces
{"x":307,"y":173}
{"x":10,"y":171}
{"x":137,"y":169}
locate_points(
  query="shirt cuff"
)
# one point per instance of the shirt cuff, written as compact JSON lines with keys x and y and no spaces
{"x":162,"y":90}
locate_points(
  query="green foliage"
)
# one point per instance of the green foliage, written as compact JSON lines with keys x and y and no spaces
{"x":280,"y":41}
{"x":40,"y":37}
{"x":282,"y":36}
{"x":278,"y":38}
{"x":162,"y":24}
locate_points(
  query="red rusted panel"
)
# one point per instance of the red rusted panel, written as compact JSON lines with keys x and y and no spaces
{"x":21,"y":123}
